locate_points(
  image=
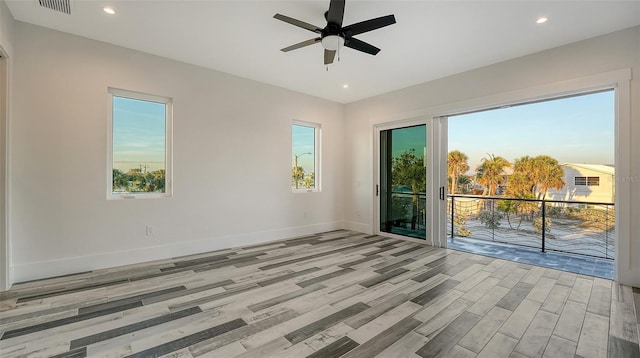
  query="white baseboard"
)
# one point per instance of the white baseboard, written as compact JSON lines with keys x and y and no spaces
{"x":9,"y":280}
{"x":359,"y":227}
{"x":44,"y":269}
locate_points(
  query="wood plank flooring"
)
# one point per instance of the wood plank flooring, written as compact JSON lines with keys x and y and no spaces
{"x":335,"y":294}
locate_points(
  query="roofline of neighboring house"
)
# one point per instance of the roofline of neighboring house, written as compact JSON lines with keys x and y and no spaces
{"x":583,"y":166}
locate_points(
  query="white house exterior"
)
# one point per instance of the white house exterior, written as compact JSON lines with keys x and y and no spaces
{"x":586,"y":182}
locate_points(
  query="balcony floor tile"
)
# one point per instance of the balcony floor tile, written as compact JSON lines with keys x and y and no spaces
{"x":584,"y":265}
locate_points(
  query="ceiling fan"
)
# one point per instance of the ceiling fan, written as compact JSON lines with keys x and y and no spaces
{"x":334,"y":35}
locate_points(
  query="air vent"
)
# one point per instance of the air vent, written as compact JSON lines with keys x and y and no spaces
{"x":63,"y":6}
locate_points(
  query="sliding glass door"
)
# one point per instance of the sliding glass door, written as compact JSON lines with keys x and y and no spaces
{"x":411,"y":181}
{"x":402,"y":187}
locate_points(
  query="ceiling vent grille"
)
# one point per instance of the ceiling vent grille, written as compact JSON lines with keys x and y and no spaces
{"x":63,"y":6}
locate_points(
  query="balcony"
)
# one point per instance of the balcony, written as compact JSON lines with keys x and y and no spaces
{"x":574,"y":236}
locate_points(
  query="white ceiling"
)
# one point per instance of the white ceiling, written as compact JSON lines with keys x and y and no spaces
{"x":430,"y":40}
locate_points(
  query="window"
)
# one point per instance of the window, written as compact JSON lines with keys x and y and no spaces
{"x":588,"y":181}
{"x":305,"y":144}
{"x":139,"y":153}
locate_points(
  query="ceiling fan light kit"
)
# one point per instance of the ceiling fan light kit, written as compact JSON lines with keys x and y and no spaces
{"x":332,"y":42}
{"x":333,"y":35}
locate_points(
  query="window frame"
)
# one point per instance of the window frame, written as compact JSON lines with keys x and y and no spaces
{"x":587,"y":181}
{"x":168,"y":180}
{"x":317,"y":129}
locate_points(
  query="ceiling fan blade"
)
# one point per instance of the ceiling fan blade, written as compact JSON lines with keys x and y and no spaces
{"x":361,"y":46}
{"x":298,"y":23}
{"x":369,"y":25}
{"x":336,"y":12}
{"x":329,"y":56}
{"x":301,"y":44}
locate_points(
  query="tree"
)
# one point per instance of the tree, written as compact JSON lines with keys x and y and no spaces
{"x":537,"y":225}
{"x":119,"y":180}
{"x":456,"y":166}
{"x":159,"y":179}
{"x":549,"y":175}
{"x":464,"y":181}
{"x":535,"y":176}
{"x":490,"y":219}
{"x":139,"y":180}
{"x":309,"y":180}
{"x":508,"y":207}
{"x":408,"y":169}
{"x":154,"y":181}
{"x":459,"y":228}
{"x":490,"y":173}
{"x":297,"y":174}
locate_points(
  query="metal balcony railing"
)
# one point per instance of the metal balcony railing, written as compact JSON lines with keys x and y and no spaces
{"x":584,"y":228}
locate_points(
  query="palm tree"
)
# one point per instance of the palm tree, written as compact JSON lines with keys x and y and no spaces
{"x":535,"y":176}
{"x":408,"y":169}
{"x":522,"y":181}
{"x":549,"y":175}
{"x":490,"y":173}
{"x":464,"y":181}
{"x":456,"y":166}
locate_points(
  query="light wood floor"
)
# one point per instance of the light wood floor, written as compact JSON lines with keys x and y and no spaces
{"x":328,"y":295}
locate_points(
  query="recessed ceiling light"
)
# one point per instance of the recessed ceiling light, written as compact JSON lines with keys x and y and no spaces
{"x":345,"y":86}
{"x":109,"y":10}
{"x":541,"y":20}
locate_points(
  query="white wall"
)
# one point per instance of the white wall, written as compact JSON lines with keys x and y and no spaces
{"x":6,"y":28}
{"x":232,"y":159}
{"x":599,"y":55}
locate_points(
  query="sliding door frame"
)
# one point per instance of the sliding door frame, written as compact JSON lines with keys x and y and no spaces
{"x":5,"y":247}
{"x":626,"y":271}
{"x":436,"y":177}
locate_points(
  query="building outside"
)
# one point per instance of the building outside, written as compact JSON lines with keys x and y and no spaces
{"x":586,"y":182}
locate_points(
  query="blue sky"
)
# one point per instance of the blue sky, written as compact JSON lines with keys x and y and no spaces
{"x":573,"y":130}
{"x":138,"y":134}
{"x":303,"y":142}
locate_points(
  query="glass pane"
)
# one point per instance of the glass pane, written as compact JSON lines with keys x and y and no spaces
{"x":537,"y":175}
{"x":403,"y":181}
{"x":303,"y":166}
{"x":139,"y":146}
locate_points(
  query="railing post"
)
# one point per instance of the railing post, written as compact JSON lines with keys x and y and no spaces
{"x":606,"y":233}
{"x":544,"y":223}
{"x":452,"y":217}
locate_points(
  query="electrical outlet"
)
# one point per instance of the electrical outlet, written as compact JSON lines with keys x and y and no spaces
{"x":149,"y":230}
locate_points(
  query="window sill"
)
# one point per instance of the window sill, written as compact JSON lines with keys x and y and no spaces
{"x":303,"y":191}
{"x":137,"y":196}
